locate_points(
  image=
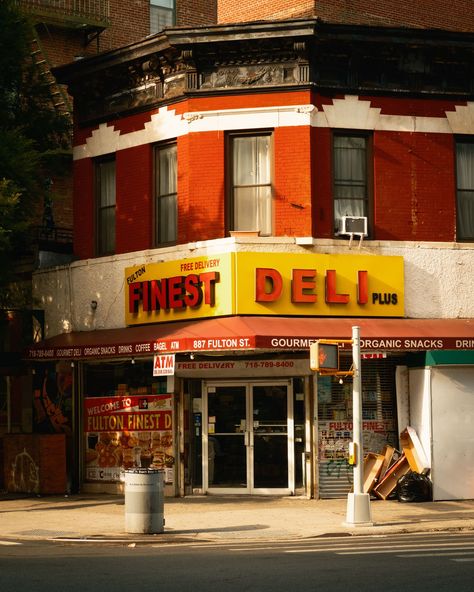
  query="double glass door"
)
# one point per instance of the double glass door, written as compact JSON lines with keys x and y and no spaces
{"x":248,"y":444}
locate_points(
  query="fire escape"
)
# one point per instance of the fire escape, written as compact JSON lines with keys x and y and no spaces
{"x":52,"y":22}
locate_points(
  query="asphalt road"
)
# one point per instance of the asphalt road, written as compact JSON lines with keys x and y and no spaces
{"x":434,"y":562}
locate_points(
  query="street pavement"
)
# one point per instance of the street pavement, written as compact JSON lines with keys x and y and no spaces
{"x":220,"y":518}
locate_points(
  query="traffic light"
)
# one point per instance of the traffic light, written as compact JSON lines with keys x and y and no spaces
{"x":324,"y":357}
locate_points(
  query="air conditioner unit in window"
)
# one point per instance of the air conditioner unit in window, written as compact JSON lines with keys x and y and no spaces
{"x":351,"y":225}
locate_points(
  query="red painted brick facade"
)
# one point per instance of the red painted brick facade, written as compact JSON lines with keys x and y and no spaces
{"x":456,"y":15}
{"x":84,"y":210}
{"x":202,"y":176}
{"x":414,"y":186}
{"x":322,"y":210}
{"x":292,"y":187}
{"x":413,"y":179}
{"x":134,"y":210}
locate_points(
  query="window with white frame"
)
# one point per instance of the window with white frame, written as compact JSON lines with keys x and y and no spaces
{"x":105,"y":200}
{"x":350,"y":176}
{"x":166,"y":194}
{"x":465,"y":190}
{"x":162,"y":14}
{"x":251,"y":183}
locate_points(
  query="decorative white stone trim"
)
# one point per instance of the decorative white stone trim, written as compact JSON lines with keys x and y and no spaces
{"x":347,"y":113}
{"x":461,"y":120}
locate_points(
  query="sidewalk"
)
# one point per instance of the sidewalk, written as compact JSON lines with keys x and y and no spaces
{"x":212,"y":518}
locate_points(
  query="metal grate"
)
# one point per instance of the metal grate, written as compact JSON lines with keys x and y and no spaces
{"x":335,"y":421}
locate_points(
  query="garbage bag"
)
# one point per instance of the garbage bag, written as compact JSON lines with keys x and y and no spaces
{"x":414,"y":487}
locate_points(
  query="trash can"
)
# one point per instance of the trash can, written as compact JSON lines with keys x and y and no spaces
{"x":144,"y":490}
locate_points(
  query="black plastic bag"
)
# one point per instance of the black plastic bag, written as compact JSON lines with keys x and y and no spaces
{"x":414,"y":487}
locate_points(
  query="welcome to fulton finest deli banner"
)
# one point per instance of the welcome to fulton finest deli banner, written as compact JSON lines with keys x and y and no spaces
{"x":129,"y":431}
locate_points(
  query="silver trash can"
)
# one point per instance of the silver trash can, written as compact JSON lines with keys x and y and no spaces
{"x":144,"y":493}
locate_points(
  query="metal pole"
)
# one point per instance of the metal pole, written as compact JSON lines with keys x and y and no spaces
{"x":357,"y":411}
{"x":358,"y":502}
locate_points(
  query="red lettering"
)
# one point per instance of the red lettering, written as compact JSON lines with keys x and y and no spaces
{"x":158,"y":294}
{"x":176,"y":291}
{"x":332,"y":297}
{"x":302,"y":285}
{"x":192,"y":285}
{"x":268,"y":285}
{"x":209,"y":280}
{"x":362,"y":288}
{"x":145,"y":295}
{"x":134,"y":297}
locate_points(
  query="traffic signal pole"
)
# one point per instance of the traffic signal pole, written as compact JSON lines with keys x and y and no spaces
{"x":358,"y":502}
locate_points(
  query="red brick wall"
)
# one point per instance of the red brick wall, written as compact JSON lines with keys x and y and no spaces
{"x":134,"y":209}
{"x":414,"y":180}
{"x":323,"y":215}
{"x":229,"y":11}
{"x":201,"y":181}
{"x":292,"y":185}
{"x":129,"y":22}
{"x":194,"y":13}
{"x":84,"y":210}
{"x":456,"y":15}
{"x":414,"y":186}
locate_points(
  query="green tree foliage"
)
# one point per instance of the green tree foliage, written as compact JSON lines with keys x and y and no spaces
{"x":31,"y":134}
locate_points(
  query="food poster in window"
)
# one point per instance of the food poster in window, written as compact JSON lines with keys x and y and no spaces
{"x":128,"y":431}
{"x":52,"y":398}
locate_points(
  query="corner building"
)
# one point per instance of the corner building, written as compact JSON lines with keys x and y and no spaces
{"x":242,"y":190}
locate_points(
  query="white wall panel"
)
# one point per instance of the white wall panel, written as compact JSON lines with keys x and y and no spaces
{"x":420,"y":407}
{"x":453,"y":433}
{"x":437,"y":281}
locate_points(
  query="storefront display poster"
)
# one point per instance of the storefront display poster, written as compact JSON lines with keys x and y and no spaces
{"x":127,"y":431}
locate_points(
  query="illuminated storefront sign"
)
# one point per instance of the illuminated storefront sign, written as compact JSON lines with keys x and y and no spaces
{"x":177,"y":290}
{"x":319,"y":285}
{"x":265,"y":284}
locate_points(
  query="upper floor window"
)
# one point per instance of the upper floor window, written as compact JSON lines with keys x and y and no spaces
{"x":166,"y":194}
{"x":465,"y":190}
{"x":105,"y":200}
{"x":350,"y":176}
{"x":162,"y":14}
{"x":251,"y":183}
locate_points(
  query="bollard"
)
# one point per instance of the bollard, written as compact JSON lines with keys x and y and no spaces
{"x":144,"y":493}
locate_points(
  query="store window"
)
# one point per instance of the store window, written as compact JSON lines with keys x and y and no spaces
{"x":251,"y":206}
{"x":127,"y":421}
{"x":105,"y":199}
{"x":166,"y":194}
{"x":465,"y":190}
{"x":162,"y":15}
{"x":350,"y":177}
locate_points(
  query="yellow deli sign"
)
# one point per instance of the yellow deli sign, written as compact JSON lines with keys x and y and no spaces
{"x":179,"y":290}
{"x":265,"y":284}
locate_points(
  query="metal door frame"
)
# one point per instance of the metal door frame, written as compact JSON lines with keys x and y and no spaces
{"x":248,"y":437}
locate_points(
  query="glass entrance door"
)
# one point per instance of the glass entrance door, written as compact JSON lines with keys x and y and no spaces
{"x":248,"y":444}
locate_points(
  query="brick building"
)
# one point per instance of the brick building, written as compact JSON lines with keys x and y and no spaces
{"x":424,"y":14}
{"x":64,"y":31}
{"x":241,"y":191}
